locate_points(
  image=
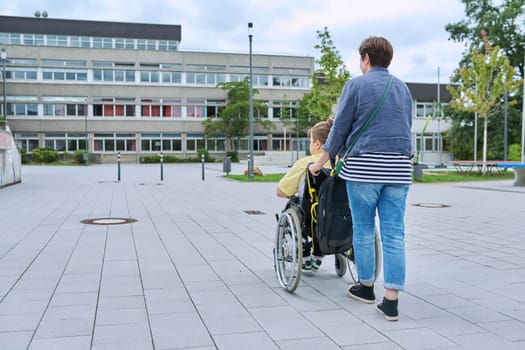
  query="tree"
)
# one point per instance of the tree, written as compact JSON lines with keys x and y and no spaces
{"x":484,"y":82}
{"x":327,"y":83}
{"x":233,"y":121}
{"x":501,"y":22}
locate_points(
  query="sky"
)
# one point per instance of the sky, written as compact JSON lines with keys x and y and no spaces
{"x":416,"y":28}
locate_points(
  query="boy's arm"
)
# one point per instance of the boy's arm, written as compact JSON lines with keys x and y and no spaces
{"x":290,"y":182}
{"x":281,"y":193}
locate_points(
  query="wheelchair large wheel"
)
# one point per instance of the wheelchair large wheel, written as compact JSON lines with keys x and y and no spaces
{"x":350,"y":259}
{"x":288,"y":250}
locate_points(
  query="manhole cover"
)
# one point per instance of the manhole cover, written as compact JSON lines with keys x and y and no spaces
{"x":254,"y":212}
{"x":431,"y":205}
{"x":108,"y":221}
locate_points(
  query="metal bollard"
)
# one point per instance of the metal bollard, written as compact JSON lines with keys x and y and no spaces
{"x":161,"y":166}
{"x":118,"y":166}
{"x":202,"y":161}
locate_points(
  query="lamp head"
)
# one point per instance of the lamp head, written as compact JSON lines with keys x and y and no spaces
{"x":3,"y":54}
{"x":250,"y":28}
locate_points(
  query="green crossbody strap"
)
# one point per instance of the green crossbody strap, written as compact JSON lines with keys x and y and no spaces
{"x":365,"y":125}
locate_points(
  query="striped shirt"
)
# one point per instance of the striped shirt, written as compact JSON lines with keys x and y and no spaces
{"x":391,"y":168}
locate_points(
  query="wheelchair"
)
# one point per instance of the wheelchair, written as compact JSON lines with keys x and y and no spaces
{"x":294,"y":231}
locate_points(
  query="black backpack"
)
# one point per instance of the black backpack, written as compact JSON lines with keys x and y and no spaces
{"x":334,"y":221}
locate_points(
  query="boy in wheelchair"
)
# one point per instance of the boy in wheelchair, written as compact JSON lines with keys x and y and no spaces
{"x":293,"y":186}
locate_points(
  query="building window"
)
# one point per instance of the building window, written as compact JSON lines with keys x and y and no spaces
{"x":22,"y":109}
{"x":171,"y":77}
{"x":19,"y":74}
{"x":196,"y":108}
{"x":171,"y":142}
{"x":214,"y":108}
{"x":258,"y":80}
{"x":161,"y":142}
{"x":113,"y":75}
{"x":150,"y":108}
{"x":285,"y":110}
{"x":216,"y":144}
{"x":424,"y":109}
{"x":261,"y":112}
{"x":290,"y":81}
{"x":430,"y":142}
{"x":150,"y":76}
{"x":64,"y":63}
{"x":195,"y":142}
{"x":27,"y":141}
{"x":114,"y":143}
{"x":65,"y":75}
{"x":172,"y":108}
{"x":87,"y":42}
{"x":65,"y":109}
{"x":56,"y":141}
{"x":110,"y":107}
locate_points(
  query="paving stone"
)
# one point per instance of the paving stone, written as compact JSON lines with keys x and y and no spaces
{"x":195,"y":271}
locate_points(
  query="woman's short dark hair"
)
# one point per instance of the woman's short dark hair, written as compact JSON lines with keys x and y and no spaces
{"x":379,"y":50}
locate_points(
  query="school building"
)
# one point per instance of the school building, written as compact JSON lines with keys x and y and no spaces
{"x":127,"y":88}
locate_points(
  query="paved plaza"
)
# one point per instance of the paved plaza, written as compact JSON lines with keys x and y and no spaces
{"x":195,"y":271}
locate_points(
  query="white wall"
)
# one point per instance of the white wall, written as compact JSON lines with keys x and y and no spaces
{"x":10,"y":160}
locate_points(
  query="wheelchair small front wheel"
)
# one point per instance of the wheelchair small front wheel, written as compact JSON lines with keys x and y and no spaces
{"x":340,"y":264}
{"x":288,"y":250}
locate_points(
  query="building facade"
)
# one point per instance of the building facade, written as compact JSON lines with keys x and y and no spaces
{"x":127,"y":88}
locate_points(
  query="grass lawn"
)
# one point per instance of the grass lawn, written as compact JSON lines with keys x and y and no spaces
{"x":454,"y":176}
{"x":428,"y":176}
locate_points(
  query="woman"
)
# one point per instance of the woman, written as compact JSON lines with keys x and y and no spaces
{"x":377,"y":169}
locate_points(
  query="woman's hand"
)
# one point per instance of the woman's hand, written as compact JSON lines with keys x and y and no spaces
{"x":315,"y":168}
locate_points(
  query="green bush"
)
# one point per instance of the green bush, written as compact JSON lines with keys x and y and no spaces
{"x":168,"y":158}
{"x":515,"y":152}
{"x":234,"y":156}
{"x":44,"y":155}
{"x":150,"y":159}
{"x":207,"y":157}
{"x":23,"y":155}
{"x":78,"y":156}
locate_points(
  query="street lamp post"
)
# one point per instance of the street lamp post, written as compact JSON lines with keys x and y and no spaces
{"x":296,"y":132}
{"x":523,"y":114}
{"x":86,"y":151}
{"x":250,"y":162}
{"x":4,"y":59}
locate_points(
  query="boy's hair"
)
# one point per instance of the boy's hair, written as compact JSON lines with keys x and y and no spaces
{"x":379,"y":50}
{"x":321,"y":130}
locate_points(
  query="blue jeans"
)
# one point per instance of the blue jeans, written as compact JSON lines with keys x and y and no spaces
{"x":389,"y":200}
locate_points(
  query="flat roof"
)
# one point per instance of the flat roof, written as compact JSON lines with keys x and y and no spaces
{"x":428,"y":91}
{"x":55,"y":26}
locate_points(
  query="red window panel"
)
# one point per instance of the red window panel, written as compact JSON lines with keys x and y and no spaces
{"x":119,"y":110}
{"x":155,"y":111}
{"x":145,"y":111}
{"x":167,"y":111}
{"x":108,"y":110}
